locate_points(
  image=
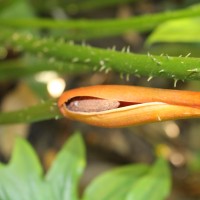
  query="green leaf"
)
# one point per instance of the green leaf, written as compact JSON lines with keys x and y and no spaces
{"x":155,"y":185}
{"x":114,"y":184}
{"x":21,"y":179}
{"x":24,"y":159}
{"x":17,"y":9}
{"x":184,"y":30}
{"x":65,"y":173}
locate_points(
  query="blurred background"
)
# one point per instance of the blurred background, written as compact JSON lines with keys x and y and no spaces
{"x":177,"y":141}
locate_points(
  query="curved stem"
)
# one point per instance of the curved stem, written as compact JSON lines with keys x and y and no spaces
{"x":87,"y":29}
{"x":178,"y":68}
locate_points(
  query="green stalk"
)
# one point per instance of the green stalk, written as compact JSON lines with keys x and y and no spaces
{"x":87,"y":29}
{"x":184,"y":68}
{"x":15,"y":69}
{"x":43,"y":111}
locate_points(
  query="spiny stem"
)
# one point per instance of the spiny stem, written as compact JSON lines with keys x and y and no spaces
{"x":179,"y":68}
{"x":15,"y":69}
{"x":43,"y":111}
{"x":86,"y":29}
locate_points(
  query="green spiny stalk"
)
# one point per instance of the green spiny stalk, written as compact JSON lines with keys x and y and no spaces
{"x":43,"y":111}
{"x":18,"y":68}
{"x":178,"y":68}
{"x":86,"y":29}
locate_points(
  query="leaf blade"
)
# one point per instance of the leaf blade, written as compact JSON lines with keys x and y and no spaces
{"x":66,"y":170}
{"x":21,"y":179}
{"x":154,"y":185}
{"x":182,"y":30}
{"x":114,"y":184}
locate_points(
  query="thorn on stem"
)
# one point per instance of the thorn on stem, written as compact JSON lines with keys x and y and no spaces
{"x":188,"y":55}
{"x":127,"y":77}
{"x":175,"y":82}
{"x":150,"y":77}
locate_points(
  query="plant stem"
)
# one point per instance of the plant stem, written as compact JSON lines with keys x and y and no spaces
{"x":43,"y":111}
{"x":178,"y":68}
{"x":87,"y":29}
{"x":15,"y":69}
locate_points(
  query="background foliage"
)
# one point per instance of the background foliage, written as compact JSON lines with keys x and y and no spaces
{"x":86,"y":43}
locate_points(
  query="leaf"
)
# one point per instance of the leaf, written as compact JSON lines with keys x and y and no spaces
{"x":65,"y":173}
{"x":155,"y":185}
{"x":21,"y":179}
{"x":114,"y":184}
{"x":24,"y":159}
{"x":184,"y":30}
{"x":17,"y":9}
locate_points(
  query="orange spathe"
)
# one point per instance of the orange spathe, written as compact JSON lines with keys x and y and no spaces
{"x":149,"y":105}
